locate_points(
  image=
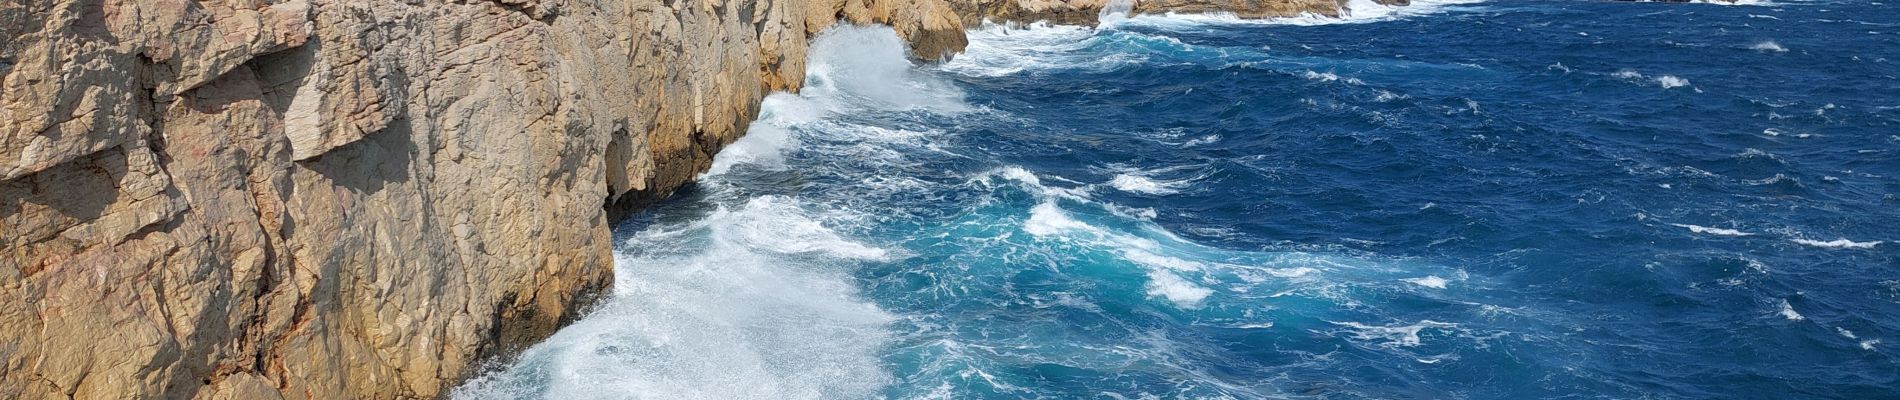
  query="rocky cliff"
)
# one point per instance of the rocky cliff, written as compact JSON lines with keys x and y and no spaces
{"x":258,"y":199}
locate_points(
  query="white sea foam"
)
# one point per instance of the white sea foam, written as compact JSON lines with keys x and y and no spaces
{"x":851,"y":69}
{"x":1141,"y":184}
{"x":1295,"y":272}
{"x":1182,"y":293}
{"x":1115,"y":11}
{"x":1671,"y":81}
{"x":764,"y":145}
{"x":1713,"y":231}
{"x":1756,"y":266}
{"x":1757,"y":3}
{"x":1787,"y":311}
{"x":1393,"y":335}
{"x":1142,"y":181}
{"x":870,"y":63}
{"x":774,"y":224}
{"x":1430,"y":281}
{"x":744,"y":303}
{"x":1033,"y":183}
{"x":998,"y":49}
{"x":1841,"y":243}
{"x":1330,"y":77}
{"x":1768,"y":46}
{"x":1152,"y":259}
{"x":1756,"y":153}
{"x":1048,"y":220}
{"x":1778,"y":178}
{"x":1204,"y":140}
{"x":1356,"y":11}
{"x":1665,"y":81}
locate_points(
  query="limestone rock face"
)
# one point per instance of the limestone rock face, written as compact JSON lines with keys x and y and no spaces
{"x":260,"y":199}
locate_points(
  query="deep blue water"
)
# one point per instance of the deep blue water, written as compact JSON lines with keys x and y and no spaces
{"x":1500,"y":200}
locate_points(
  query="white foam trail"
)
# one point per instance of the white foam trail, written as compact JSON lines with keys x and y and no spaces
{"x":1356,"y":11}
{"x":1757,"y":3}
{"x":1047,"y":220}
{"x":1713,"y":231}
{"x":1393,"y":335}
{"x":1431,"y":281}
{"x":1134,"y":180}
{"x":1768,"y":46}
{"x":997,"y":50}
{"x":1295,"y":272}
{"x":1778,"y":178}
{"x":1665,"y":81}
{"x":1330,"y":77}
{"x":1030,"y":181}
{"x":1165,"y":262}
{"x":1756,"y":153}
{"x":1177,"y":270}
{"x":1141,"y":184}
{"x":1841,"y":243}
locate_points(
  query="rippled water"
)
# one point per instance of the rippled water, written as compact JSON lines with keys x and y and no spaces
{"x":1508,"y":200}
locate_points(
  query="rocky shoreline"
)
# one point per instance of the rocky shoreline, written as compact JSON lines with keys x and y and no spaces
{"x":258,"y":199}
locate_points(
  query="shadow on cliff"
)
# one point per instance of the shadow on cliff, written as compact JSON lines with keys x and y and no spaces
{"x":80,"y":190}
{"x":368,"y":164}
{"x":365,"y":165}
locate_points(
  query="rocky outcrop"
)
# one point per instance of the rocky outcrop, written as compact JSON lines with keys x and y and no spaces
{"x":257,"y":199}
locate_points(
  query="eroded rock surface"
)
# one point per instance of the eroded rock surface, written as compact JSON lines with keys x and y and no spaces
{"x":259,"y":199}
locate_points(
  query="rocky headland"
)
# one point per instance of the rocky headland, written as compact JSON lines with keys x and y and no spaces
{"x":260,"y":199}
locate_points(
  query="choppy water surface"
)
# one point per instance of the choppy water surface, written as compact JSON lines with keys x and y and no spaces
{"x":1504,"y":200}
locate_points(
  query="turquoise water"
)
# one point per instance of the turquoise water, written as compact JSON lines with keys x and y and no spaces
{"x":1501,"y":200}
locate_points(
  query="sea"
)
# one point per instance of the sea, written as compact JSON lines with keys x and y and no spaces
{"x":1525,"y":199}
